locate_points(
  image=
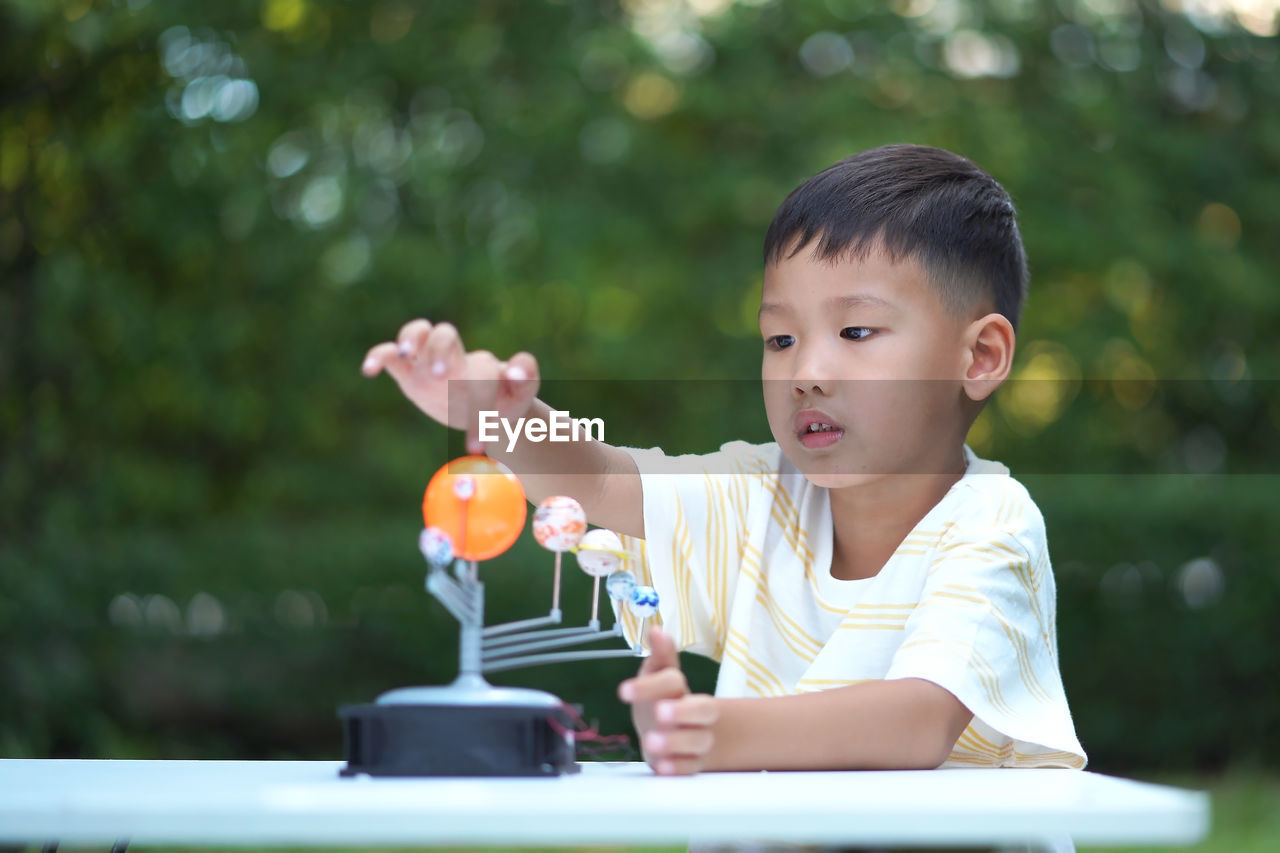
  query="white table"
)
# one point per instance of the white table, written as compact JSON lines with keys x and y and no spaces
{"x":307,"y":803}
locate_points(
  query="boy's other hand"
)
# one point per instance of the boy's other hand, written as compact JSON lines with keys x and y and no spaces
{"x":675,"y":726}
{"x":425,"y":356}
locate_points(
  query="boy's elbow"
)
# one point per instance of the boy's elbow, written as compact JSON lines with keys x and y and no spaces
{"x":943,"y":720}
{"x":943,"y":734}
{"x":928,"y":750}
{"x":936,"y":754}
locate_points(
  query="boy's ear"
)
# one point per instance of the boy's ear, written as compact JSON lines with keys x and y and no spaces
{"x":989,"y":343}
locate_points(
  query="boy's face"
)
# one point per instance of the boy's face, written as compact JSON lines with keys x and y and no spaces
{"x":868,"y":351}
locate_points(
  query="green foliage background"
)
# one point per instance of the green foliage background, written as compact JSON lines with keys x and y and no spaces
{"x":208,"y":516}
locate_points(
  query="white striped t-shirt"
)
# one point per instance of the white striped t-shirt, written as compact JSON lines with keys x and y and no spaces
{"x":738,"y":545}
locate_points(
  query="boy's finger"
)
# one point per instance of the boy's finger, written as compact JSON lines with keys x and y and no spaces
{"x":662,"y":652}
{"x":525,"y":364}
{"x":699,"y":709}
{"x":519,"y":384}
{"x":664,"y":684}
{"x":379,"y":357}
{"x":443,"y":351}
{"x":481,"y":389}
{"x":411,"y":336}
{"x":672,"y":743}
{"x":679,"y":765}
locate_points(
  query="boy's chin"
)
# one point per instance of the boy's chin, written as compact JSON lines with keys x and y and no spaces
{"x":830,"y":480}
{"x":828,"y":472}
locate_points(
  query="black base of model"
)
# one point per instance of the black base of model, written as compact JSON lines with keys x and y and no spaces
{"x":457,"y":740}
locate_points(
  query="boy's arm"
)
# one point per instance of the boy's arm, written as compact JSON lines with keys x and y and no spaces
{"x":898,"y":724}
{"x":604,"y":479}
{"x":426,"y":358}
{"x":902,"y":724}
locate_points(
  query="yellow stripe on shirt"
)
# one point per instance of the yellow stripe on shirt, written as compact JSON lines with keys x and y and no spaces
{"x":793,"y":628}
{"x":680,"y":558}
{"x":738,"y":648}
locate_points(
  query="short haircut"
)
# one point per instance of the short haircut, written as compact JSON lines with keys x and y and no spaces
{"x":914,"y":202}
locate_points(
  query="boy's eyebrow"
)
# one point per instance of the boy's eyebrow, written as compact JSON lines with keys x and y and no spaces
{"x":852,"y":300}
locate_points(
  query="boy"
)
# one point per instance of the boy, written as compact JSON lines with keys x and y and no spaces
{"x":878,"y":596}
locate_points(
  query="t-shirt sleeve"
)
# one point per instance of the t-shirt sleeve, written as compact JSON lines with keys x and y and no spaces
{"x":984,"y":629}
{"x":696,"y":511}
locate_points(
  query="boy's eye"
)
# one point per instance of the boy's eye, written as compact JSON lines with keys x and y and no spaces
{"x":855,"y":333}
{"x":779,"y":342}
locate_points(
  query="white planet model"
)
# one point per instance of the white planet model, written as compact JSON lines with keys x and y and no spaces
{"x":621,"y":584}
{"x":599,"y":552}
{"x":559,"y":523}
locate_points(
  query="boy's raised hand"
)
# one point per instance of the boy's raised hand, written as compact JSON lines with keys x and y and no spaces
{"x":675,"y":726}
{"x":425,"y":356}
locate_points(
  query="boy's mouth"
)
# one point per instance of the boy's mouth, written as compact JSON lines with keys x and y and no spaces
{"x":816,"y":429}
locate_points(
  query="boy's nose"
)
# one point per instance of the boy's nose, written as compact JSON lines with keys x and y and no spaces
{"x":812,"y":374}
{"x":802,"y":387}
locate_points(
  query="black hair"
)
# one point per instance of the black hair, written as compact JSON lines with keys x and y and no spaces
{"x":914,"y":202}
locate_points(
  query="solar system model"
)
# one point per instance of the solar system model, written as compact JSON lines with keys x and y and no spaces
{"x":475,"y":509}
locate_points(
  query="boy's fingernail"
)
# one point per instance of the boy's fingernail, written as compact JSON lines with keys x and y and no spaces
{"x":628,"y":692}
{"x":666,"y":711}
{"x":517,"y":374}
{"x":406,"y":349}
{"x":369,"y":365}
{"x":656,"y":740}
{"x":438,"y":368}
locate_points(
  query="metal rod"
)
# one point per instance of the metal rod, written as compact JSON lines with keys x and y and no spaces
{"x":508,"y":627}
{"x":439,"y":581}
{"x":456,"y":603}
{"x":438,"y":578}
{"x":495,"y":642}
{"x":554,"y":643}
{"x":453,"y":596}
{"x":470,"y":653}
{"x":557,"y":657}
{"x":555,"y":594}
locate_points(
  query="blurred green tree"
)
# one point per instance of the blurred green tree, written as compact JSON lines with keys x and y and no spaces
{"x":208,"y":213}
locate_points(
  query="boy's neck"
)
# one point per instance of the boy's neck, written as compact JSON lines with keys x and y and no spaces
{"x":870,"y":521}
